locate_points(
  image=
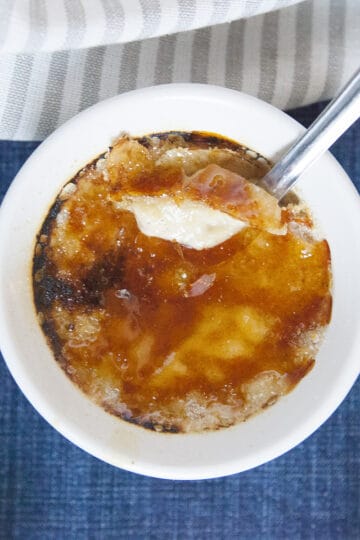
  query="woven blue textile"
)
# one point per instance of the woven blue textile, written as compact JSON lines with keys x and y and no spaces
{"x":49,"y":489}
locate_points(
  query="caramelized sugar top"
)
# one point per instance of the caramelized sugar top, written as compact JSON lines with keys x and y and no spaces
{"x":144,"y":324}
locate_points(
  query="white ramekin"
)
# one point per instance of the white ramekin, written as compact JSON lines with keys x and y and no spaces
{"x":335,"y":204}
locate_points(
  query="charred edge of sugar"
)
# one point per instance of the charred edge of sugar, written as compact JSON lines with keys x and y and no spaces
{"x":205,"y":139}
{"x":146,"y":424}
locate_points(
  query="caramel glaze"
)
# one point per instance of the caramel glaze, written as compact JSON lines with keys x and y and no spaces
{"x":138,"y":291}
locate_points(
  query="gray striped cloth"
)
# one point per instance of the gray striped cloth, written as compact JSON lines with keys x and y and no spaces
{"x":57,"y":57}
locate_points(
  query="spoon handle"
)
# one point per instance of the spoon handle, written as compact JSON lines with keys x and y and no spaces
{"x":341,"y":112}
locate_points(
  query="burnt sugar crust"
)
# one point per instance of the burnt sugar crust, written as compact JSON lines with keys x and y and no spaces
{"x":169,"y":337}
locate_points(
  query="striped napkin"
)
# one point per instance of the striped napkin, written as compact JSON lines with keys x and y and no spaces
{"x":59,"y":56}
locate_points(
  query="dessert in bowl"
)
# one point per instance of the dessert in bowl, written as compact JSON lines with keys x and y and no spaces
{"x":157,"y":282}
{"x":205,"y":290}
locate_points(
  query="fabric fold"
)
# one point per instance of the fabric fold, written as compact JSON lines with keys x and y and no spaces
{"x":79,"y":24}
{"x":290,"y":57}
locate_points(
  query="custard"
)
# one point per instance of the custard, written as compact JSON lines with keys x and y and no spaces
{"x":173,"y":290}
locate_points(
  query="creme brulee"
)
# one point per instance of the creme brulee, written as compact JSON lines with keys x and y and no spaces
{"x":175,"y":292}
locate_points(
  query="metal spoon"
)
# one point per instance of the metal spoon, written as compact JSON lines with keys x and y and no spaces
{"x":338,"y":116}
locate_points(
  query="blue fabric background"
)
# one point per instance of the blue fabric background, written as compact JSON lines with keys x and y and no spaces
{"x":49,"y":489}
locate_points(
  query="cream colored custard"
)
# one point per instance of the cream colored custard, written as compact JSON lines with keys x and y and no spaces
{"x":190,"y":223}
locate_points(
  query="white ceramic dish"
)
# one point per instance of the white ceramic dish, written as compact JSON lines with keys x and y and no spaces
{"x":330,"y":195}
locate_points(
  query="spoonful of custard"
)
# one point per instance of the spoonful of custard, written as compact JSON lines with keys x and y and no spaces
{"x":174,"y":199}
